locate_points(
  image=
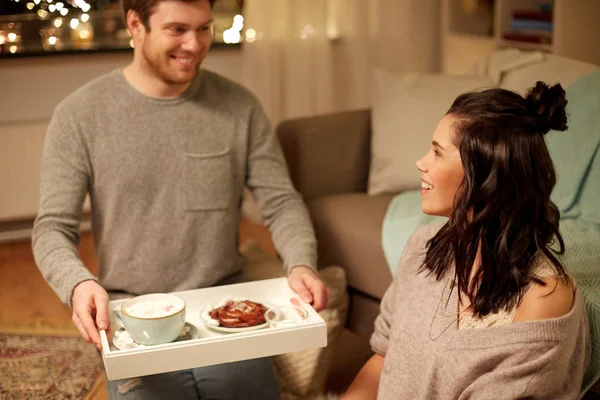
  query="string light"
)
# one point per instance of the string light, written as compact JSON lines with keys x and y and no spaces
{"x":56,"y":11}
{"x":233,"y":35}
{"x":68,"y":23}
{"x":62,"y":7}
{"x":250,"y":35}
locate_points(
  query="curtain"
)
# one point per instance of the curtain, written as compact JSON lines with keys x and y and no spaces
{"x":308,"y":57}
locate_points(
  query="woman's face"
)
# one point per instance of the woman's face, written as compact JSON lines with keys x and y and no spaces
{"x":441,"y":171}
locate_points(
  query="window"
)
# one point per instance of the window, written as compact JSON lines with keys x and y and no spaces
{"x":38,"y":27}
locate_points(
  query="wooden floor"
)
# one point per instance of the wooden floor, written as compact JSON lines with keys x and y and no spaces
{"x":30,"y":306}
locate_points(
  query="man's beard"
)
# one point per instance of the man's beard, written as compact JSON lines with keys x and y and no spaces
{"x":161,"y":68}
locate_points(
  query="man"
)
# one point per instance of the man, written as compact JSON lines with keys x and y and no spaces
{"x":164,"y":150}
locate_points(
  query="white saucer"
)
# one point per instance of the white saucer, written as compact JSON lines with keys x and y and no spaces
{"x":122,"y":341}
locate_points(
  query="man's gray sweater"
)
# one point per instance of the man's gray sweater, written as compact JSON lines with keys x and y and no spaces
{"x":165,"y":179}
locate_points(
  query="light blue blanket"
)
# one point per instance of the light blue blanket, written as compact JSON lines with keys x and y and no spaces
{"x":576,"y":157}
{"x":402,"y":218}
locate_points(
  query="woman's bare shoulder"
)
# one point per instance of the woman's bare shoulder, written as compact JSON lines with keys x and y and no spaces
{"x":552,"y":300}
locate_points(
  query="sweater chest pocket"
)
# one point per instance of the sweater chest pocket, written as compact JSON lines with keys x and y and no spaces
{"x":207,"y":180}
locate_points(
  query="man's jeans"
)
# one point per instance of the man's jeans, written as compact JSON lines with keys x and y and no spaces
{"x":244,"y":380}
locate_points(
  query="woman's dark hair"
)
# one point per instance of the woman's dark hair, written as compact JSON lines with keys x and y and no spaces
{"x":503,"y":206}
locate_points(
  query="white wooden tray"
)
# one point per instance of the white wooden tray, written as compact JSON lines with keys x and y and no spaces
{"x":209,"y":347}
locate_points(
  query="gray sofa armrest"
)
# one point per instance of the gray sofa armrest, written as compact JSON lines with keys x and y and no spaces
{"x":328,"y":154}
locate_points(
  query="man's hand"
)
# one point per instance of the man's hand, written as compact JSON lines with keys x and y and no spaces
{"x":90,"y":310}
{"x":309,"y":287}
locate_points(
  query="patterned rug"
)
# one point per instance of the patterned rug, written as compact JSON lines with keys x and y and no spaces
{"x":48,"y":367}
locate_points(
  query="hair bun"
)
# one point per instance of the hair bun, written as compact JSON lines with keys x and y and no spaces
{"x":547,"y":104}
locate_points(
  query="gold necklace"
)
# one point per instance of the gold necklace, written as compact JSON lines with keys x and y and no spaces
{"x":437,"y":310}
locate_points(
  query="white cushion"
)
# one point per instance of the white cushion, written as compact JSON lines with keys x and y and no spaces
{"x":502,"y":61}
{"x":405,"y":111}
{"x":552,"y":69}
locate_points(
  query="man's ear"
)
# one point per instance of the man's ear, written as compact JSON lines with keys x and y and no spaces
{"x":134,"y":23}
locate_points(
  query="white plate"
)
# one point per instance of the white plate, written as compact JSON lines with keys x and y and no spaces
{"x":205,"y":318}
{"x":236,"y":330}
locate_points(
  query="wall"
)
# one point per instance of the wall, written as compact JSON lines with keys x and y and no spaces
{"x":578,"y":23}
{"x":31,"y":88}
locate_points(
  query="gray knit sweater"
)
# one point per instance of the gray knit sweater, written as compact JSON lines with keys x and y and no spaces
{"x":427,"y":357}
{"x":165,"y":179}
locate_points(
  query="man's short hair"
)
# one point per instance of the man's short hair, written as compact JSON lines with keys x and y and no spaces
{"x":145,"y":8}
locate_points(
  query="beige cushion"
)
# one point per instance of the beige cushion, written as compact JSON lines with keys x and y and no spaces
{"x":303,"y":374}
{"x":552,"y":69}
{"x":406,"y":109}
{"x":500,"y":61}
{"x":348,"y":229}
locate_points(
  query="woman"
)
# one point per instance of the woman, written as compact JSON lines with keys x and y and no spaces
{"x":481,"y":307}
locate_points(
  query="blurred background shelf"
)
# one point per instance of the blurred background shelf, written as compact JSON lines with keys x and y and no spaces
{"x":546,"y":47}
{"x":471,"y":29}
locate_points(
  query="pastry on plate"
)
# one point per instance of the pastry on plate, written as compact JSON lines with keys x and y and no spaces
{"x":239,"y":314}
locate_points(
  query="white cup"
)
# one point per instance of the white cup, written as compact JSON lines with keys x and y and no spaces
{"x":151,"y":328}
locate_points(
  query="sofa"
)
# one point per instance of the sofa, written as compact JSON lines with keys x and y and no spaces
{"x":331,"y":159}
{"x":328,"y":158}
